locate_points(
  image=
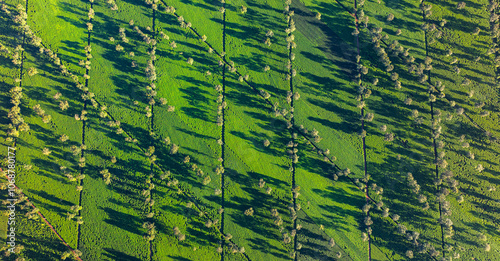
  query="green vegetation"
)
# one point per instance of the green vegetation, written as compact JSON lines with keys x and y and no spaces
{"x":247,"y":130}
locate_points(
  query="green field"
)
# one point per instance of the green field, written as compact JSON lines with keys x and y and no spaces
{"x":251,"y":130}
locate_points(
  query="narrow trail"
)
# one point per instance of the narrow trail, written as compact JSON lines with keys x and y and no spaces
{"x":84,"y":125}
{"x":433,"y":138}
{"x":223,"y":135}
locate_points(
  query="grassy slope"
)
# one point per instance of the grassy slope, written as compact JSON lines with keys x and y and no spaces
{"x":478,"y":213}
{"x":380,"y":153}
{"x":35,"y":236}
{"x":334,"y":204}
{"x":327,"y":104}
{"x":45,"y":173}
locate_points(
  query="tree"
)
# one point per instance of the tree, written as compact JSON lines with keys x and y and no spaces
{"x":32,"y":71}
{"x":243,"y":9}
{"x":64,"y":105}
{"x":461,"y":5}
{"x":331,"y":242}
{"x":46,"y":151}
{"x":318,"y":16}
{"x":266,"y":143}
{"x":249,"y":212}
{"x":190,"y":60}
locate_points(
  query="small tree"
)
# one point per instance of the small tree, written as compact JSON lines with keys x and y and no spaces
{"x":461,"y":5}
